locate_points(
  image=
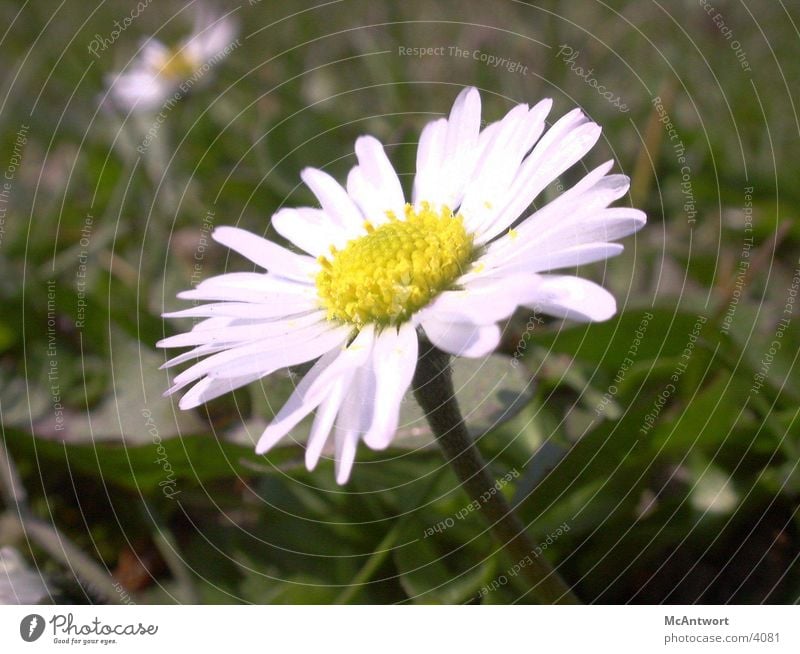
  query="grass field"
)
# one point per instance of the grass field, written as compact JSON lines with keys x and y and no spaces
{"x":654,"y":457}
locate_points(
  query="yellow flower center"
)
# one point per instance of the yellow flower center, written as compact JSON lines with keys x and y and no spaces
{"x":396,"y":269}
{"x":176,"y":65}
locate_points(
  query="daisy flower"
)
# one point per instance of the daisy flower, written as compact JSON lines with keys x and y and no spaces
{"x":376,"y":271}
{"x":158,"y":71}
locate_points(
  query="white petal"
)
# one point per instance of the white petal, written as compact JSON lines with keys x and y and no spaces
{"x":153,"y":55}
{"x":211,"y":40}
{"x":460,"y":148}
{"x":463,"y":124}
{"x":462,"y":339}
{"x":296,"y":347}
{"x":371,"y":203}
{"x":297,"y":407}
{"x":572,"y":219}
{"x":208,"y":389}
{"x":352,"y":357}
{"x":140,"y":90}
{"x":193,"y":355}
{"x":484,"y":300}
{"x":324,"y":419}
{"x":334,"y":200}
{"x":375,"y":179}
{"x":574,"y":298}
{"x":605,"y":225}
{"x":241,"y":333}
{"x":572,"y":210}
{"x":562,"y":146}
{"x":336,"y":365}
{"x":309,"y":229}
{"x":395,"y":359}
{"x":267,"y":254}
{"x":430,"y":154}
{"x":450,"y":151}
{"x":353,"y":420}
{"x":286,"y":351}
{"x":302,"y":296}
{"x":543,"y":260}
{"x":282,"y":306}
{"x":499,"y":161}
{"x":254,"y":281}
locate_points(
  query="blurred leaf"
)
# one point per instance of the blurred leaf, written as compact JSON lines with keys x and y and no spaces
{"x":187,"y":459}
{"x":607,"y":344}
{"x":490,"y":391}
{"x":428,"y":577}
{"x":706,"y":421}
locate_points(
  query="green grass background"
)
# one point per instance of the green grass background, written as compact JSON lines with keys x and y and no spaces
{"x":700,"y":508}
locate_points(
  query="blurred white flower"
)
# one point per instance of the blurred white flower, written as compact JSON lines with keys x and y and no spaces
{"x":159,"y":72}
{"x":18,"y":583}
{"x":451,"y":263}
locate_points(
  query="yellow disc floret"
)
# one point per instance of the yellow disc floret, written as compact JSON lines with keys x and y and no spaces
{"x":176,"y":64}
{"x":395,"y":269}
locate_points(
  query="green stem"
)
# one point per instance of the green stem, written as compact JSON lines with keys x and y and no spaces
{"x":433,"y":389}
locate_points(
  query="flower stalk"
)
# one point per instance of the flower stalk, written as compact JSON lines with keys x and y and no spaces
{"x":433,"y":389}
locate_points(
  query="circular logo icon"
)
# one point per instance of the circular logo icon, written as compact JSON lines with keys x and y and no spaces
{"x":31,"y":627}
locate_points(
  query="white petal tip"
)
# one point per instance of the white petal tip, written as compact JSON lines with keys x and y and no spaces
{"x":377,"y":442}
{"x":603,"y":309}
{"x":311,"y":461}
{"x":185,"y":405}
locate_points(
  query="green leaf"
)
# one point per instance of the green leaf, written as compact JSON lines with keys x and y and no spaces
{"x":490,"y":391}
{"x":185,"y":460}
{"x":707,"y":419}
{"x":654,"y":333}
{"x":430,"y":577}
